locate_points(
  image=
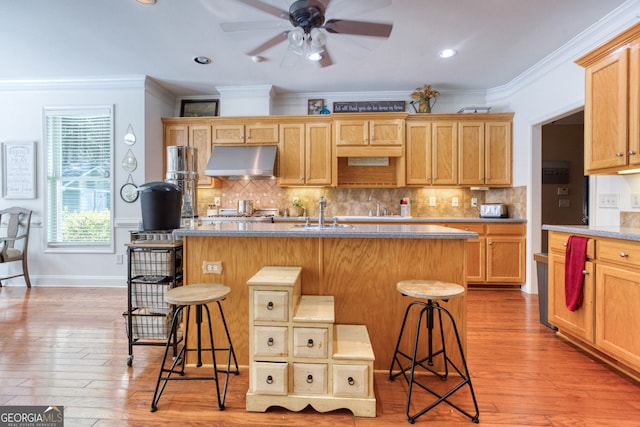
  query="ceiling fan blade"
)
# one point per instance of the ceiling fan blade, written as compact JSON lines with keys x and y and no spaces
{"x":229,"y":27}
{"x":358,"y":28}
{"x":326,"y":60}
{"x":273,"y":41}
{"x":267,"y":8}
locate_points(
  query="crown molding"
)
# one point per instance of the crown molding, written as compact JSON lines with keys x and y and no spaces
{"x":84,"y":83}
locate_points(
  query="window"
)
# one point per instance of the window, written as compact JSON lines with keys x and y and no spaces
{"x":79,"y":145}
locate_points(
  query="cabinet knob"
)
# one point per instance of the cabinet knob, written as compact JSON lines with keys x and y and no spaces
{"x":585,"y":272}
{"x":270,"y":305}
{"x":624,"y":254}
{"x":632,"y":153}
{"x":270,"y":342}
{"x":564,"y":244}
{"x":310,"y":343}
{"x":309,"y":378}
{"x":350,"y":381}
{"x":269,"y":379}
{"x":618,"y":154}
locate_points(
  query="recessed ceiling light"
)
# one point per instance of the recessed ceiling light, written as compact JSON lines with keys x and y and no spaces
{"x":147,"y":1}
{"x":447,"y":53}
{"x":202,"y":60}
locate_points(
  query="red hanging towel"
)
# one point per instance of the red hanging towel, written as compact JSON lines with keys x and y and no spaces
{"x":573,"y":278}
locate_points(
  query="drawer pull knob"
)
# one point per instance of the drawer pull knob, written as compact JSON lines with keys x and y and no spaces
{"x":351,"y":381}
{"x":310,"y":343}
{"x":269,"y":379}
{"x":618,"y":154}
{"x":632,"y":153}
{"x":624,"y":254}
{"x":270,"y":305}
{"x":270,"y":342}
{"x":564,"y":244}
{"x":309,"y":378}
{"x":585,"y":272}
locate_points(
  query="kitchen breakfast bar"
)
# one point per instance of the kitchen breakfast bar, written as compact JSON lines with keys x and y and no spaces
{"x":357,"y":265}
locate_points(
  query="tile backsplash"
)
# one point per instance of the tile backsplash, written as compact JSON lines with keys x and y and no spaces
{"x":425,"y":202}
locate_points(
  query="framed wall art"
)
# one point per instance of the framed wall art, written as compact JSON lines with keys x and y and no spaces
{"x":19,"y":170}
{"x":314,"y":106}
{"x":199,"y":107}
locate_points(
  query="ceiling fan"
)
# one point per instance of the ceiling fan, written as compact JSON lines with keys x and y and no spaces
{"x":305,"y":27}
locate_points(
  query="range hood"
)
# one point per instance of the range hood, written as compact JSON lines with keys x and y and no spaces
{"x":241,"y":162}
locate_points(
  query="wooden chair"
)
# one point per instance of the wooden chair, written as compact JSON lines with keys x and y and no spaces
{"x":18,"y":224}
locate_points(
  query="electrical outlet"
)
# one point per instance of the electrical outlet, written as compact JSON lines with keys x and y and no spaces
{"x":119,"y":259}
{"x":474,"y":202}
{"x":432,"y":201}
{"x":216,"y":201}
{"x":608,"y":201}
{"x":212,"y":267}
{"x":454,"y":202}
{"x":563,"y":191}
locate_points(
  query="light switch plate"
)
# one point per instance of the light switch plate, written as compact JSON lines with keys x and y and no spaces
{"x":635,"y":200}
{"x":454,"y":202}
{"x":432,"y":201}
{"x":474,"y":202}
{"x":608,"y":200}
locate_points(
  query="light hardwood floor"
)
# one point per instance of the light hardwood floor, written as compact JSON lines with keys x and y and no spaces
{"x":63,"y":346}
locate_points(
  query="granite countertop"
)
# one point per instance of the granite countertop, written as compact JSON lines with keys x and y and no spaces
{"x":404,"y":219}
{"x":614,"y":232}
{"x":370,"y":231}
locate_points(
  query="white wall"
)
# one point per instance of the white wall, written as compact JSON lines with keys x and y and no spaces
{"x":136,"y":103}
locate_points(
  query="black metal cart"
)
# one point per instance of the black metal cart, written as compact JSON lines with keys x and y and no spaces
{"x":154,"y":266}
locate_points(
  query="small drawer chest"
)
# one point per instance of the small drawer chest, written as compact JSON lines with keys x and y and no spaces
{"x":298,"y":356}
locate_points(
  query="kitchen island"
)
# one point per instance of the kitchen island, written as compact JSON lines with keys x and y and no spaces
{"x":358,"y":265}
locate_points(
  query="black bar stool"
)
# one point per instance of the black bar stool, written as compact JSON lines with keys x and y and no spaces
{"x":198,"y":295}
{"x":430,"y":290}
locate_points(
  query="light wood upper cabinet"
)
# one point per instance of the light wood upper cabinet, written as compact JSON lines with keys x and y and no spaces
{"x":612,"y":105}
{"x":366,"y":135}
{"x":245,"y":133}
{"x":431,"y":153}
{"x":195,"y":135}
{"x":305,"y":154}
{"x":485,"y":153}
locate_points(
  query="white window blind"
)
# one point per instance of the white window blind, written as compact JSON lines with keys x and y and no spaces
{"x":79,"y":144}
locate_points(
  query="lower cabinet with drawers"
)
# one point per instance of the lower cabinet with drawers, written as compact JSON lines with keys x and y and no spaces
{"x":298,"y":355}
{"x":607,"y":322}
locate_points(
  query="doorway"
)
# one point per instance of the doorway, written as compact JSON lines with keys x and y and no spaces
{"x":565,"y":189}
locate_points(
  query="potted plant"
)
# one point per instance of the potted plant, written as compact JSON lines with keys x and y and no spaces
{"x":296,"y":207}
{"x":425,"y":97}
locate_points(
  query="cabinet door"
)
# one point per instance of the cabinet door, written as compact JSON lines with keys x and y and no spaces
{"x":497,"y":153}
{"x":579,"y":323}
{"x":200,"y":138}
{"x":476,"y":256}
{"x":471,"y":153}
{"x":505,"y":259}
{"x":419,"y":153}
{"x":228,"y":134}
{"x":386,"y":132}
{"x":617,"y":314}
{"x":634,"y":104}
{"x":606,"y":113}
{"x":292,"y":154}
{"x":351,"y":132}
{"x":318,"y":154}
{"x":173,"y":135}
{"x":444,"y":145}
{"x":261,"y":133}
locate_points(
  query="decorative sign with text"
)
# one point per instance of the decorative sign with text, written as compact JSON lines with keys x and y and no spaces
{"x":369,"y":107}
{"x":18,"y":170}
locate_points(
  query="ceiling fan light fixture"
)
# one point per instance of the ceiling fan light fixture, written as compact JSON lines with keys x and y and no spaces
{"x":296,"y":37}
{"x":314,"y":56}
{"x":318,"y":38}
{"x":447,"y":53}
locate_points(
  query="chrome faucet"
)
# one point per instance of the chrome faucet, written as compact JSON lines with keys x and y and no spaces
{"x":323,"y":204}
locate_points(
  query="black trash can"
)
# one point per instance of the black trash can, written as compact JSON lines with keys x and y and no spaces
{"x":542,"y":261}
{"x":161,"y":204}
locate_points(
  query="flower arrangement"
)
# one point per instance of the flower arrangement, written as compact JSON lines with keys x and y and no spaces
{"x":423,"y":96}
{"x":297,"y":202}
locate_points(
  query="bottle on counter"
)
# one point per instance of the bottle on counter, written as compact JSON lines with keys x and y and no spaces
{"x":405,"y":207}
